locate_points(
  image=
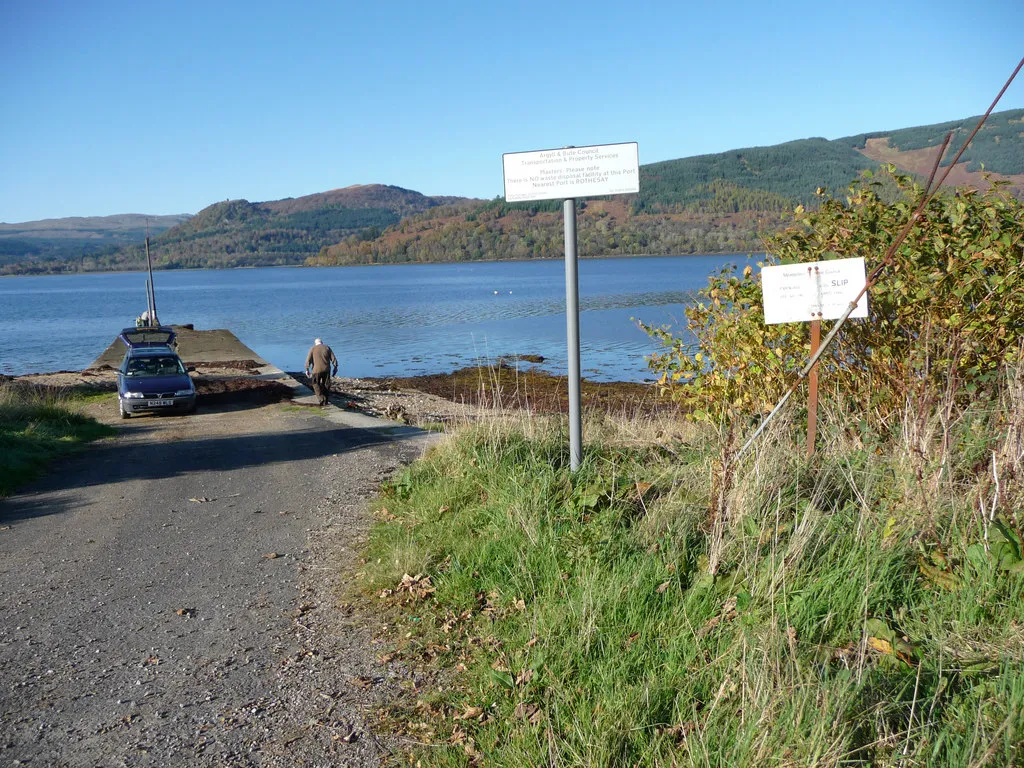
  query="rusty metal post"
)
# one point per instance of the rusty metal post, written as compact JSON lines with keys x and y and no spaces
{"x":812,"y":383}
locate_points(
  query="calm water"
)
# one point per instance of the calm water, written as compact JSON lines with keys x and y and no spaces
{"x":380,"y":320}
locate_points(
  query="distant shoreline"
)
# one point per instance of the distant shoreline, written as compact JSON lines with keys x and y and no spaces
{"x":747,"y":254}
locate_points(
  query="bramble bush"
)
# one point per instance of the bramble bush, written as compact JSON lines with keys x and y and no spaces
{"x":945,"y":317}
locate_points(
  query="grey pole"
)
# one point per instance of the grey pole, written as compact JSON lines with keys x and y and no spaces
{"x":572,"y":315}
{"x":152,"y":288}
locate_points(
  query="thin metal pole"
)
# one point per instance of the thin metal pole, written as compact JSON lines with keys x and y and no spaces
{"x":152,"y":288}
{"x":572,"y":318}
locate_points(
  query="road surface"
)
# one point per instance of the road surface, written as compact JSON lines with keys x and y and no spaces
{"x":171,"y":596}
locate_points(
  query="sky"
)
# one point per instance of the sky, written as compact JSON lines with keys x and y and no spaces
{"x":165,"y":108}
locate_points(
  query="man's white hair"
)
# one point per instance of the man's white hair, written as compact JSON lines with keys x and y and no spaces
{"x":318,"y":341}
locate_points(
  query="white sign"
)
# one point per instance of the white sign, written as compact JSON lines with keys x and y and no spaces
{"x":560,"y":174}
{"x":814,"y":290}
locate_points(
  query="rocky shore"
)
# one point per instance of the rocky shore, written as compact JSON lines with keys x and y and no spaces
{"x":433,"y":401}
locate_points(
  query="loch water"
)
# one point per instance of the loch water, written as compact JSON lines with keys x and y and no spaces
{"x":382,"y":320}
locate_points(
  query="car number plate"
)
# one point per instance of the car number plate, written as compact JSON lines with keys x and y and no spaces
{"x":158,"y":403}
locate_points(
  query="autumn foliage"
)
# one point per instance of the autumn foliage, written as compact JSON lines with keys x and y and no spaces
{"x":945,"y":317}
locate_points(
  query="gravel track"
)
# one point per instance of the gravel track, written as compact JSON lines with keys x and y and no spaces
{"x":170,"y":597}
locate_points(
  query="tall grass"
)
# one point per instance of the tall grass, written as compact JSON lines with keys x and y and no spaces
{"x":37,"y":426}
{"x":861,"y":608}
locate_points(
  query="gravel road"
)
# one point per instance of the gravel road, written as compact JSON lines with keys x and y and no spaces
{"x":171,"y":596}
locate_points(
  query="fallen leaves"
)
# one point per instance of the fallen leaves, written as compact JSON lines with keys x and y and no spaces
{"x":186,"y":612}
{"x":528,"y":711}
{"x":418,"y":586}
{"x":524,"y":677}
{"x":939,"y":577}
{"x":678,"y":732}
{"x":728,"y":613}
{"x":882,"y":639}
{"x":877,"y":644}
{"x":207,"y":499}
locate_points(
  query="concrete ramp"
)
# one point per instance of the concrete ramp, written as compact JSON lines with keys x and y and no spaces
{"x":217,"y":346}
{"x":214,"y":349}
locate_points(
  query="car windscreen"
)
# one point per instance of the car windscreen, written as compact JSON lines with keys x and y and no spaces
{"x":154,"y":366}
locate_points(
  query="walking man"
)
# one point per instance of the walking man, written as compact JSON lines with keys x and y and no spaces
{"x":320,"y":362}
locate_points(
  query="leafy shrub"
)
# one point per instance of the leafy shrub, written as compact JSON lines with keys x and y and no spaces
{"x":944,"y":317}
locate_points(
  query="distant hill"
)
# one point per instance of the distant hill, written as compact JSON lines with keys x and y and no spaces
{"x":723,"y":202}
{"x":41,"y":244}
{"x":764,"y":178}
{"x":997,"y":148}
{"x":497,"y":230}
{"x":238,"y":233}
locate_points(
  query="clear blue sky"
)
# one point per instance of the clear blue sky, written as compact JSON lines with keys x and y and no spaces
{"x":141,"y":107}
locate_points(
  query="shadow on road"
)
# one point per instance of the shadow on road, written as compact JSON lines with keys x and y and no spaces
{"x":122,"y":460}
{"x":27,"y":507}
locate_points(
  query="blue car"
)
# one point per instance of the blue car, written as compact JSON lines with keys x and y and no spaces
{"x":152,"y":377}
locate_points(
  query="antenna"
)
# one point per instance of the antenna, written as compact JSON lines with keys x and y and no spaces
{"x":150,"y":289}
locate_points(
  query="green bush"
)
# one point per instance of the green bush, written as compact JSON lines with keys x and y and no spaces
{"x":945,"y":317}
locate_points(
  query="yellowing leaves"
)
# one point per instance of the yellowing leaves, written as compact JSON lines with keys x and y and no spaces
{"x":932,"y":315}
{"x":877,"y":644}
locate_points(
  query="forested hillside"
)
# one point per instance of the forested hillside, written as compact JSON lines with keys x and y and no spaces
{"x":998,"y":147}
{"x":238,"y":233}
{"x":497,"y":230}
{"x":705,"y":204}
{"x":39,"y":245}
{"x":758,"y":178}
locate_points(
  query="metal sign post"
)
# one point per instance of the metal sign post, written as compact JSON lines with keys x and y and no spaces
{"x":572,"y":318}
{"x":812,"y":389}
{"x":567,"y":174}
{"x":812,"y":291}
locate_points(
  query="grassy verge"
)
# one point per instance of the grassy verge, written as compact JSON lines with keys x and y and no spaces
{"x":863,"y":608}
{"x":39,"y":426}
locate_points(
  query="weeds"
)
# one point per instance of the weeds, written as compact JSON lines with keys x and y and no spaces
{"x":38,"y":426}
{"x":863,"y":608}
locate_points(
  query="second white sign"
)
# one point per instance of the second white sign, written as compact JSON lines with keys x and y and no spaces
{"x":813,"y":290}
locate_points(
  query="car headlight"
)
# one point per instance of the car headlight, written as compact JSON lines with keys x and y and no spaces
{"x":183,"y":393}
{"x":133,"y":395}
